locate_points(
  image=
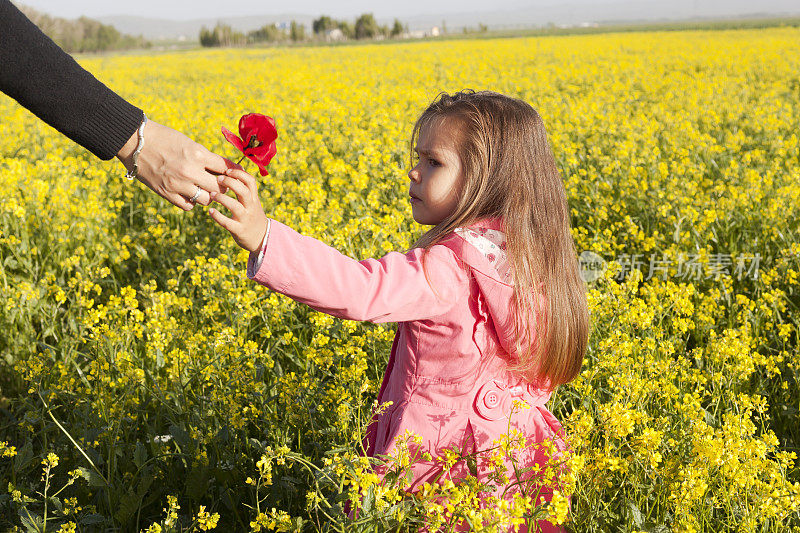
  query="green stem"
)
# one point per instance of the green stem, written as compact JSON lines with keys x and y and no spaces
{"x":71,"y":439}
{"x":46,"y":488}
{"x":29,"y":516}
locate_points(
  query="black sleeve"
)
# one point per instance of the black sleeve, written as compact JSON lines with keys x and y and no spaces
{"x":39,"y":75}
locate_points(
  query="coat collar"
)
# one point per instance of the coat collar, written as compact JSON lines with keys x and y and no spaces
{"x":495,"y":223}
{"x":474,"y":247}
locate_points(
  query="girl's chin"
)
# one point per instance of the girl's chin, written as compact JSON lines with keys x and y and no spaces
{"x":425,"y":221}
{"x":421,"y":220}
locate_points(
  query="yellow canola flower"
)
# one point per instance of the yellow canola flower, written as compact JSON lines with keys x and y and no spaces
{"x":679,"y":156}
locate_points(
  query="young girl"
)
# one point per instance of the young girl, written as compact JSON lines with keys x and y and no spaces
{"x":489,"y":302}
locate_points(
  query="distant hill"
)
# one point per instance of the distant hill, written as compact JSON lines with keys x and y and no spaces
{"x":525,"y":16}
{"x":82,"y":34}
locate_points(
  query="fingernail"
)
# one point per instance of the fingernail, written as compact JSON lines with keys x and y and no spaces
{"x":211,"y":211}
{"x":220,"y":178}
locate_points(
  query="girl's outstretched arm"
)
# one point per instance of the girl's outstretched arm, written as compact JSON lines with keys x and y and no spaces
{"x":393,"y":288}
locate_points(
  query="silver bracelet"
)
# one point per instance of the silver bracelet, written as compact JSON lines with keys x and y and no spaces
{"x":132,"y":173}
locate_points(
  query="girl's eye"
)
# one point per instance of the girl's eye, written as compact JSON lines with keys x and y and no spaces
{"x":434,"y":162}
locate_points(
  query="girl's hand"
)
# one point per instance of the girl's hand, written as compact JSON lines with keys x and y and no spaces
{"x":249,"y":223}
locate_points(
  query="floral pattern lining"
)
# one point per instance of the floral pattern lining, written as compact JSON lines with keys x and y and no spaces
{"x":492,"y":244}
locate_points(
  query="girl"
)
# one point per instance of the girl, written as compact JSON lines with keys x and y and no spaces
{"x":489,"y":302}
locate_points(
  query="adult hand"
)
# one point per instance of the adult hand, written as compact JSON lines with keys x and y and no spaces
{"x":173,"y":165}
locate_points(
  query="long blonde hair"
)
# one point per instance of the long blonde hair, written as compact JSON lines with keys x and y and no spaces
{"x":510,"y":173}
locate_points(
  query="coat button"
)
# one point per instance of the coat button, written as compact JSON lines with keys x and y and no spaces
{"x":491,"y":399}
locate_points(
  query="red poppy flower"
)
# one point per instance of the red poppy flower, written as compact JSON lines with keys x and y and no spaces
{"x":257,"y":141}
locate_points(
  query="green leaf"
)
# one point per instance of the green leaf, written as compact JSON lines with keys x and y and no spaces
{"x":472,"y":464}
{"x":92,"y":519}
{"x":636,"y":515}
{"x":369,"y":499}
{"x":128,"y":505}
{"x":197,"y":482}
{"x":80,"y":373}
{"x":290,"y":480}
{"x":93,"y":478}
{"x":32,"y":523}
{"x":257,"y":444}
{"x":23,"y":457}
{"x":139,"y":455}
{"x":180,"y":435}
{"x":144,"y":484}
{"x":57,"y":504}
{"x":709,"y":418}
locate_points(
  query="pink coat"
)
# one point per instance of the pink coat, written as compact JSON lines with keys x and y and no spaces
{"x":443,"y":379}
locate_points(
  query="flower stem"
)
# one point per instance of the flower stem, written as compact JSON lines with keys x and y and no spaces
{"x":49,"y":412}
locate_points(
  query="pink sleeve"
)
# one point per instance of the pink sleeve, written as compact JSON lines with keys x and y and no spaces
{"x":390,"y":289}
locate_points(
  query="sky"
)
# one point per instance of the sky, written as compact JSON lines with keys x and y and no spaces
{"x":197,"y":9}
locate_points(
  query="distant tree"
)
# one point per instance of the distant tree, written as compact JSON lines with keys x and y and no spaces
{"x":106,"y":36}
{"x":208,"y":37}
{"x":297,"y":31}
{"x":482,"y":27}
{"x":83,"y":34}
{"x":366,"y":27}
{"x":444,"y":26}
{"x":397,"y":29}
{"x":221,"y":35}
{"x":347,"y":29}
{"x":267,"y":33}
{"x":323,"y":25}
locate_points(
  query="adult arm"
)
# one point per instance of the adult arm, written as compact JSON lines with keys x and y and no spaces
{"x":50,"y":83}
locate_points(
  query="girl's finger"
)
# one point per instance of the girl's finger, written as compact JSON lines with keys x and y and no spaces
{"x":245,"y":178}
{"x":241,"y":190}
{"x":235,"y":207}
{"x":222,"y":220}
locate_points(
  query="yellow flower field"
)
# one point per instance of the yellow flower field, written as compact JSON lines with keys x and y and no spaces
{"x":148,"y":385}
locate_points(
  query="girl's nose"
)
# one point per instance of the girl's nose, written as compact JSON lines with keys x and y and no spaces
{"x":413,"y":174}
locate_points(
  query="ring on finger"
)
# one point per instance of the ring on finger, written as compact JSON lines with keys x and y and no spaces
{"x":196,"y":195}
